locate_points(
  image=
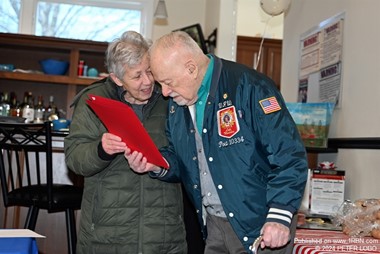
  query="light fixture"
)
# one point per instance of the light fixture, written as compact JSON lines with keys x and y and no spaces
{"x":274,"y":7}
{"x":161,"y":12}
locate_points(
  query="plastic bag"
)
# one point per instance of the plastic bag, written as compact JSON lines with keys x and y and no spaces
{"x":359,"y":218}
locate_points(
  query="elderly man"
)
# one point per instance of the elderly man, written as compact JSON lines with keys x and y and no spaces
{"x":234,"y":146}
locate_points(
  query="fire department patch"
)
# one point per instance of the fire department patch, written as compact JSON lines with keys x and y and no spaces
{"x":269,"y":105}
{"x":228,"y":124}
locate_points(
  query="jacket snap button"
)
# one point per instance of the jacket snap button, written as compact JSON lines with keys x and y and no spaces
{"x":231,"y":215}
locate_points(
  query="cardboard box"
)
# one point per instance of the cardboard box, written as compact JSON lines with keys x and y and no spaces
{"x":327,"y":191}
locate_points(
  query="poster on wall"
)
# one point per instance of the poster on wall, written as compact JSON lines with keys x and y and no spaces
{"x":320,"y":68}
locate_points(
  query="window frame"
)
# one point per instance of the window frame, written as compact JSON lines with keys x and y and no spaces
{"x":28,"y":10}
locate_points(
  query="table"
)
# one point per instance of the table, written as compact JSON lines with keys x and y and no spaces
{"x":18,"y":245}
{"x":308,"y":241}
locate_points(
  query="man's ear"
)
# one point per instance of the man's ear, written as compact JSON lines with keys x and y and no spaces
{"x":191,"y":67}
{"x":116,"y":79}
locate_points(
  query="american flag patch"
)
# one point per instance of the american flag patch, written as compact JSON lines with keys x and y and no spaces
{"x":270,"y":105}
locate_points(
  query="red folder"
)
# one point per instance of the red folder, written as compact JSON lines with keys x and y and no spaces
{"x":120,"y":120}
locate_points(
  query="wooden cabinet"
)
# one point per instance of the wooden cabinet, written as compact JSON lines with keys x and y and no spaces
{"x":269,"y":63}
{"x":25,"y":52}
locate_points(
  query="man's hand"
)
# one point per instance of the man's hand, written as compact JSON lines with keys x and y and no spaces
{"x":112,"y":144}
{"x":138,"y":162}
{"x":274,"y":235}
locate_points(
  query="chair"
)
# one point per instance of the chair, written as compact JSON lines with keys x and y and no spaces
{"x":26,"y":171}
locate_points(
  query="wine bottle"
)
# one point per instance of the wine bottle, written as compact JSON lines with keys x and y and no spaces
{"x":5,"y":105}
{"x":39,"y":110}
{"x":51,"y":111}
{"x":28,"y":109}
{"x":15,"y":106}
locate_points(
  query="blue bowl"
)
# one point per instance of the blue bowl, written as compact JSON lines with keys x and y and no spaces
{"x":54,"y":67}
{"x":61,"y":124}
{"x":7,"y":67}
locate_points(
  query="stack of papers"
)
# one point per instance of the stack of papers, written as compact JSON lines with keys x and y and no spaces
{"x":19,"y":233}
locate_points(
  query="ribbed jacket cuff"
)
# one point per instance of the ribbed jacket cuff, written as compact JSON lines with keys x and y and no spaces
{"x":158,"y":174}
{"x":280,"y":216}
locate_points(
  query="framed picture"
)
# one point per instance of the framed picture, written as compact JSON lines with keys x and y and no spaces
{"x":313,"y":121}
{"x":195,"y":31}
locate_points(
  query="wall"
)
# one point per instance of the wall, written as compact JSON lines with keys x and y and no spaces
{"x":221,"y":14}
{"x":230,"y":17}
{"x":181,"y":13}
{"x":253,"y":21}
{"x":359,"y":115}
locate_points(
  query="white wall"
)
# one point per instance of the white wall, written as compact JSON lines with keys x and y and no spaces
{"x":253,"y":21}
{"x":230,"y":17}
{"x":210,"y":14}
{"x":359,"y":115}
{"x":181,"y":13}
{"x":250,"y":19}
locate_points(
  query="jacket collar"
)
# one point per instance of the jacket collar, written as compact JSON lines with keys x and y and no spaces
{"x":215,"y":78}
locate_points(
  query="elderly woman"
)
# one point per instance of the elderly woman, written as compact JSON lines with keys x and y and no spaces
{"x":122,"y":211}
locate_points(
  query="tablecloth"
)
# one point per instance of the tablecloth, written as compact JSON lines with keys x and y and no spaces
{"x":18,"y":245}
{"x":308,"y":241}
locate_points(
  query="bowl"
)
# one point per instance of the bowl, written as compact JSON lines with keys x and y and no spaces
{"x":7,"y":67}
{"x":54,"y":66}
{"x":61,"y":124}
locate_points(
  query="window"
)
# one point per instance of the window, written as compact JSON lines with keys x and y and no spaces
{"x":9,"y":16}
{"x":98,"y":20}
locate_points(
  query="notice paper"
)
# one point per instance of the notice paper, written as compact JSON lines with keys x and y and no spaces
{"x":19,"y":233}
{"x":122,"y":121}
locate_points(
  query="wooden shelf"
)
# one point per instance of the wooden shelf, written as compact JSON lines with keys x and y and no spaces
{"x":58,"y":79}
{"x":321,"y":150}
{"x":26,"y":51}
{"x":355,"y":143}
{"x":334,"y":144}
{"x":46,"y":42}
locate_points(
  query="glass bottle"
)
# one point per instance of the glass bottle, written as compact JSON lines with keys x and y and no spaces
{"x":24,"y":102}
{"x":39,"y":110}
{"x":15,"y":106}
{"x":5,"y":105}
{"x":51,"y":111}
{"x":28,"y":109}
{"x":1,"y":101}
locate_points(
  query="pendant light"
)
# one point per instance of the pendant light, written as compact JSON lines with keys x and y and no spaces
{"x":161,"y":12}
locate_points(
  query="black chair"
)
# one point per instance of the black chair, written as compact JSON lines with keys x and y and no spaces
{"x":26,"y":171}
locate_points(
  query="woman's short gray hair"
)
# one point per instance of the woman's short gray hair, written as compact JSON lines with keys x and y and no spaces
{"x":125,"y":52}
